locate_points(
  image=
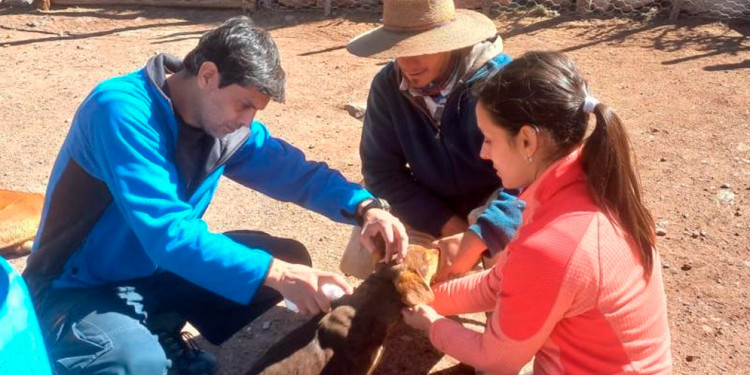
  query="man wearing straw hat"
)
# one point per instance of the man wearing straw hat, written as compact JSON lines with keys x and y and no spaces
{"x":420,"y":142}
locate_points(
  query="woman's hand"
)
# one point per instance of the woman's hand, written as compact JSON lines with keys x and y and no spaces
{"x":458,"y":254}
{"x":420,"y":317}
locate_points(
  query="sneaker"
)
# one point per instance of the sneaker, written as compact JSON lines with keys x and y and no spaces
{"x":186,"y":356}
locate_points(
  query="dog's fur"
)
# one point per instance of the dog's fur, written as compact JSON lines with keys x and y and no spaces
{"x":20,"y":214}
{"x":349,"y":339}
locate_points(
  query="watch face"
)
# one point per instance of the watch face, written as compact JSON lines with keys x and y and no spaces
{"x":383,"y":204}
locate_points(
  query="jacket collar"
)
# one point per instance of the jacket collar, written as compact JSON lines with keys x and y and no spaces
{"x":157,"y":69}
{"x":561,"y":174}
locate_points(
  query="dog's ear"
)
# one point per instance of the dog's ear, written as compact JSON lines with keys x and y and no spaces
{"x":424,"y":260}
{"x":413,"y":288}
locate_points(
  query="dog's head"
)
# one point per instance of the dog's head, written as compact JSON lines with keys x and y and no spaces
{"x":410,"y":284}
{"x":412,"y":277}
{"x":424,"y":260}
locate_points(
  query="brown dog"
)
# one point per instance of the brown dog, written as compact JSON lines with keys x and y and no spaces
{"x":20,"y":214}
{"x":349,"y":339}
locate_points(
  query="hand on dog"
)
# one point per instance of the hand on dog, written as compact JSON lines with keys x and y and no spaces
{"x":420,"y":317}
{"x":379,"y":222}
{"x":302,"y":285}
{"x":458,"y":254}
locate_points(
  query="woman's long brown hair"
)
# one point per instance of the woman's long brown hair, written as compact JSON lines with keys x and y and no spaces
{"x":546,"y":90}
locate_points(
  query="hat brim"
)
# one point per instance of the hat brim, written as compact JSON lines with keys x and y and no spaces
{"x":467,"y":28}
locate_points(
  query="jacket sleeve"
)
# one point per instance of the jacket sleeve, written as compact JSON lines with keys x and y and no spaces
{"x":279,"y":170}
{"x":385,"y":169}
{"x":532,"y":290}
{"x":497,"y":224}
{"x":130,"y":156}
{"x":467,"y":295}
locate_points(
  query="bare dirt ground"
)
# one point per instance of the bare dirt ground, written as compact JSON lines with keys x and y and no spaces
{"x":683,"y":91}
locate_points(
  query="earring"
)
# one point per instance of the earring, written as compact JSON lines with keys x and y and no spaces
{"x":529,"y":158}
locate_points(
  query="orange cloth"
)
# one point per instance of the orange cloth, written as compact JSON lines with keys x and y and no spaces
{"x":570,"y":290}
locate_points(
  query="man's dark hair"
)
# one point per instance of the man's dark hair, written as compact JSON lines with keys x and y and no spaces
{"x":244,"y":54}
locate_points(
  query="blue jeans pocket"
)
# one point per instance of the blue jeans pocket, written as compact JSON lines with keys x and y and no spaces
{"x":80,"y":345}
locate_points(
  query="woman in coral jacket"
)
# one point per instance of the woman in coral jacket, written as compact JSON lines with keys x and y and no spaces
{"x":580,"y":286}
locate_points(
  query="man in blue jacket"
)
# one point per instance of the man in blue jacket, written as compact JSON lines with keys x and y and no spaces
{"x":123,"y":259}
{"x":420,"y":141}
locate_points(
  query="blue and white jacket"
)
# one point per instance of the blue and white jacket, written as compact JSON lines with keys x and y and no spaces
{"x":118,"y":208}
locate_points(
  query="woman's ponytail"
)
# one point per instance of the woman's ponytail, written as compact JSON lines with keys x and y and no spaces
{"x":614,"y":183}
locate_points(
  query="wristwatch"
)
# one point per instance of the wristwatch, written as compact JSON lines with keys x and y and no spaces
{"x":374,"y":203}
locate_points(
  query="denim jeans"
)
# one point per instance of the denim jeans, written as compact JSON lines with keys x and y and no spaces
{"x":111,"y":329}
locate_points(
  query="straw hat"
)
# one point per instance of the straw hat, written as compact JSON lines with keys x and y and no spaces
{"x":422,"y":27}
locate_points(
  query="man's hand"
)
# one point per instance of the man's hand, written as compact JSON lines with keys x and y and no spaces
{"x":420,"y":317}
{"x":453,"y":226}
{"x":302,"y":285}
{"x":382,"y":223}
{"x":458,"y":254}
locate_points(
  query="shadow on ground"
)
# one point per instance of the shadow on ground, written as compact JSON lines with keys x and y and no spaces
{"x":661,"y":35}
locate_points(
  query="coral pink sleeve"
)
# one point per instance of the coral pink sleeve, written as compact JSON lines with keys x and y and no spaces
{"x":469,"y":294}
{"x":532,"y":294}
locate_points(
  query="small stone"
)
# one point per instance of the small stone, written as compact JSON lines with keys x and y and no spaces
{"x":686,"y":267}
{"x":690,"y":358}
{"x":737,"y":213}
{"x":702,"y":233}
{"x":685,"y":216}
{"x":726,"y":186}
{"x":665,"y":266}
{"x":356,"y":110}
{"x":707,"y":329}
{"x":662,"y":159}
{"x":311,"y":147}
{"x":653,"y":130}
{"x":661,"y":232}
{"x":32,"y":24}
{"x":695,"y":234}
{"x":725,"y":195}
{"x":266,"y":325}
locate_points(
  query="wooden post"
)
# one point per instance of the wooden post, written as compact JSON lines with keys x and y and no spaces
{"x":582,"y":6}
{"x":43,"y":5}
{"x":676,"y":5}
{"x":487,"y":7}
